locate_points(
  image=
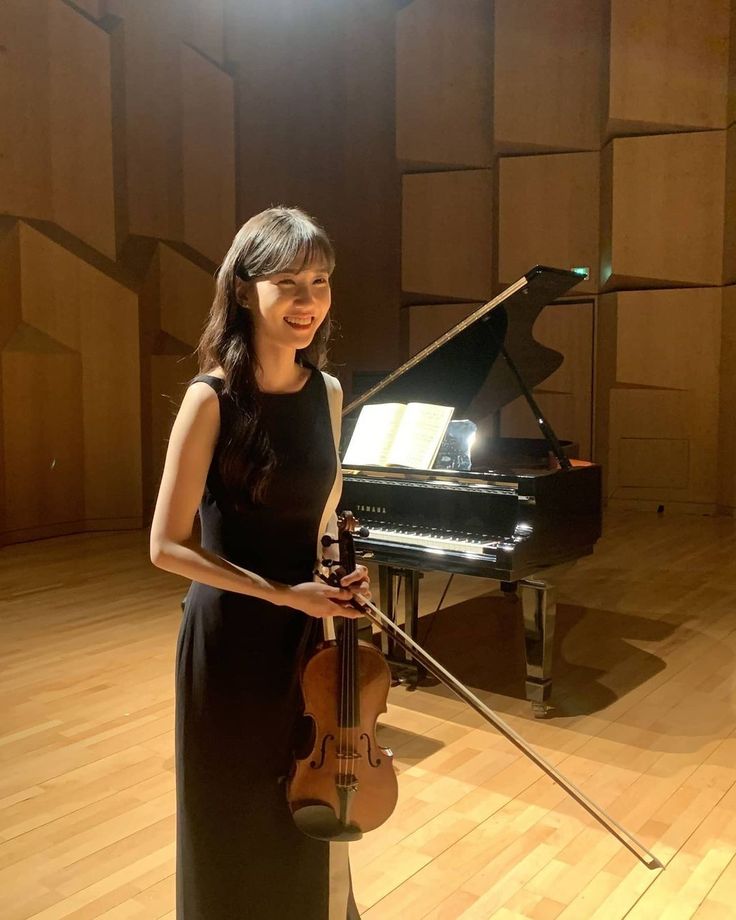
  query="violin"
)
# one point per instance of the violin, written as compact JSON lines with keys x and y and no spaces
{"x":347,"y":784}
{"x":332,"y":811}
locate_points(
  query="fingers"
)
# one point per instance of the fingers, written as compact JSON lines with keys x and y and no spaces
{"x":359,"y":579}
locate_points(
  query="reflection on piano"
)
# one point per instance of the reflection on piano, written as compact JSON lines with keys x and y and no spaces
{"x":521,"y":509}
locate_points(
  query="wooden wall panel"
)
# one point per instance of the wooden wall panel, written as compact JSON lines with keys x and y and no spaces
{"x":731,"y":117}
{"x":447,"y":234}
{"x":727,"y":409}
{"x":319,"y":134}
{"x":179,"y":140}
{"x":366,"y":223}
{"x":729,"y":238}
{"x":147,"y":45}
{"x":25,"y":164}
{"x":174,"y":302}
{"x":548,"y":61}
{"x":566,"y":397}
{"x":208,"y":156}
{"x":665,"y":226}
{"x":185,"y":296}
{"x":548,"y":214}
{"x":427,"y":322}
{"x":94,"y":8}
{"x":80,"y":128}
{"x":69,"y":307}
{"x":10,"y":318}
{"x":10,"y":289}
{"x":112,"y":402}
{"x":204,"y":27}
{"x":668,"y":65}
{"x":57,"y":139}
{"x":658,"y":396}
{"x":43,"y":436}
{"x":443,"y":83}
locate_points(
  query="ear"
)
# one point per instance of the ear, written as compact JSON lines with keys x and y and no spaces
{"x":241,"y":291}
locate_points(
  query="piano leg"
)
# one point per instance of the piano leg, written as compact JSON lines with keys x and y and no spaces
{"x":539,"y":608}
{"x":403,"y":667}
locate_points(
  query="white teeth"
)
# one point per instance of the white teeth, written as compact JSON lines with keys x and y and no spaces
{"x":294,"y":321}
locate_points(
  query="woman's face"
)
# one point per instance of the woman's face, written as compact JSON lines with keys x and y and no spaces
{"x":288,"y":307}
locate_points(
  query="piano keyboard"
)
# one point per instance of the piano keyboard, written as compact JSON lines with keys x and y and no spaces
{"x":431,"y":539}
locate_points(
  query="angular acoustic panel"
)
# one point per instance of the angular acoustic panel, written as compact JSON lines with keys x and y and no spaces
{"x":548,"y":214}
{"x":94,"y":8}
{"x":668,"y":65}
{"x":147,"y":52}
{"x":727,"y":436}
{"x":204,"y":27}
{"x":179,"y":139}
{"x":565,"y":397}
{"x":208,"y":156}
{"x":56,"y":161}
{"x":83,"y":323}
{"x":658,"y":385}
{"x":444,"y":70}
{"x":729,"y":239}
{"x":10,"y":297}
{"x":548,"y":65}
{"x":663,"y":210}
{"x":25,"y":162}
{"x":427,"y":322}
{"x":43,"y":437}
{"x":174,"y":304}
{"x":185,"y":296}
{"x":80,"y":123}
{"x":447,"y":234}
{"x":731,"y":117}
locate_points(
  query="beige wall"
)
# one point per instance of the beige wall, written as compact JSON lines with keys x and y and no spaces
{"x":597,"y":134}
{"x":137,"y":136}
{"x":447,"y":147}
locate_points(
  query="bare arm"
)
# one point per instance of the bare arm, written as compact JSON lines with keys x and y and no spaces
{"x":172,"y":545}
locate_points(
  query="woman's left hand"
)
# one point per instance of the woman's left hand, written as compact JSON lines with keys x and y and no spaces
{"x":359,"y":582}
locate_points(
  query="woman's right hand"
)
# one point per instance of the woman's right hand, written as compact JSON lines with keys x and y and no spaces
{"x":320,"y":600}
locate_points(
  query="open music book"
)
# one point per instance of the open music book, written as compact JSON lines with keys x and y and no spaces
{"x":394,"y":434}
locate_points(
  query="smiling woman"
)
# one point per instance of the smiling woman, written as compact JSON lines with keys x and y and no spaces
{"x":254,"y":449}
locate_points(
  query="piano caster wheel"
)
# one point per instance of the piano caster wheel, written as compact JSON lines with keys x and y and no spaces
{"x":541,"y":710}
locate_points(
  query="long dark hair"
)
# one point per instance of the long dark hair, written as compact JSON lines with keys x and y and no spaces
{"x":273,"y":241}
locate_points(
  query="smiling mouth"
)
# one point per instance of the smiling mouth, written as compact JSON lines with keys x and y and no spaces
{"x":300,"y":323}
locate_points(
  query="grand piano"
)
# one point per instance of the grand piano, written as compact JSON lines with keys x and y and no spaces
{"x":523,"y":510}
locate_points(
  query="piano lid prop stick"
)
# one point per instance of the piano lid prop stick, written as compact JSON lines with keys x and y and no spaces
{"x":628,"y":840}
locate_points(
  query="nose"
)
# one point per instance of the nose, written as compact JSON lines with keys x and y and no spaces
{"x":304,"y":294}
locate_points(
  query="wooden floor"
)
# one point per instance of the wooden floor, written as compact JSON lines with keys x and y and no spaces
{"x":645,"y":725}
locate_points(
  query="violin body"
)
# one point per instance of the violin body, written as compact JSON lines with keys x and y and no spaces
{"x":347,"y":784}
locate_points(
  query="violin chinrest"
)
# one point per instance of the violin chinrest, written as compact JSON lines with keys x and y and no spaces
{"x":321,"y":822}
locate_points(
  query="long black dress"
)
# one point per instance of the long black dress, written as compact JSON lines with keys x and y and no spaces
{"x":238,"y":717}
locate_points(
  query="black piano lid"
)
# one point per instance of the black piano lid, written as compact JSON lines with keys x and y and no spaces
{"x":462,"y":367}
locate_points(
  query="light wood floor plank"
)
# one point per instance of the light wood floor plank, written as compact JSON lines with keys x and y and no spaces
{"x":645,"y":723}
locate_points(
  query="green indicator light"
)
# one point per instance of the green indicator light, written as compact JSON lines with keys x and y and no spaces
{"x":582,"y":270}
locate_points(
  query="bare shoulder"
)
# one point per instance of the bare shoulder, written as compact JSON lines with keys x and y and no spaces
{"x":200,"y":410}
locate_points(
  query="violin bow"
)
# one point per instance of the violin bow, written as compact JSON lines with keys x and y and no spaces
{"x":442,"y":674}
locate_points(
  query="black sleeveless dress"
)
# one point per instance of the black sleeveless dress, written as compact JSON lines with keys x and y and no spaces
{"x":238,"y":715}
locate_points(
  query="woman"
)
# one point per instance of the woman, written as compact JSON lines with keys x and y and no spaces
{"x":254,"y":448}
